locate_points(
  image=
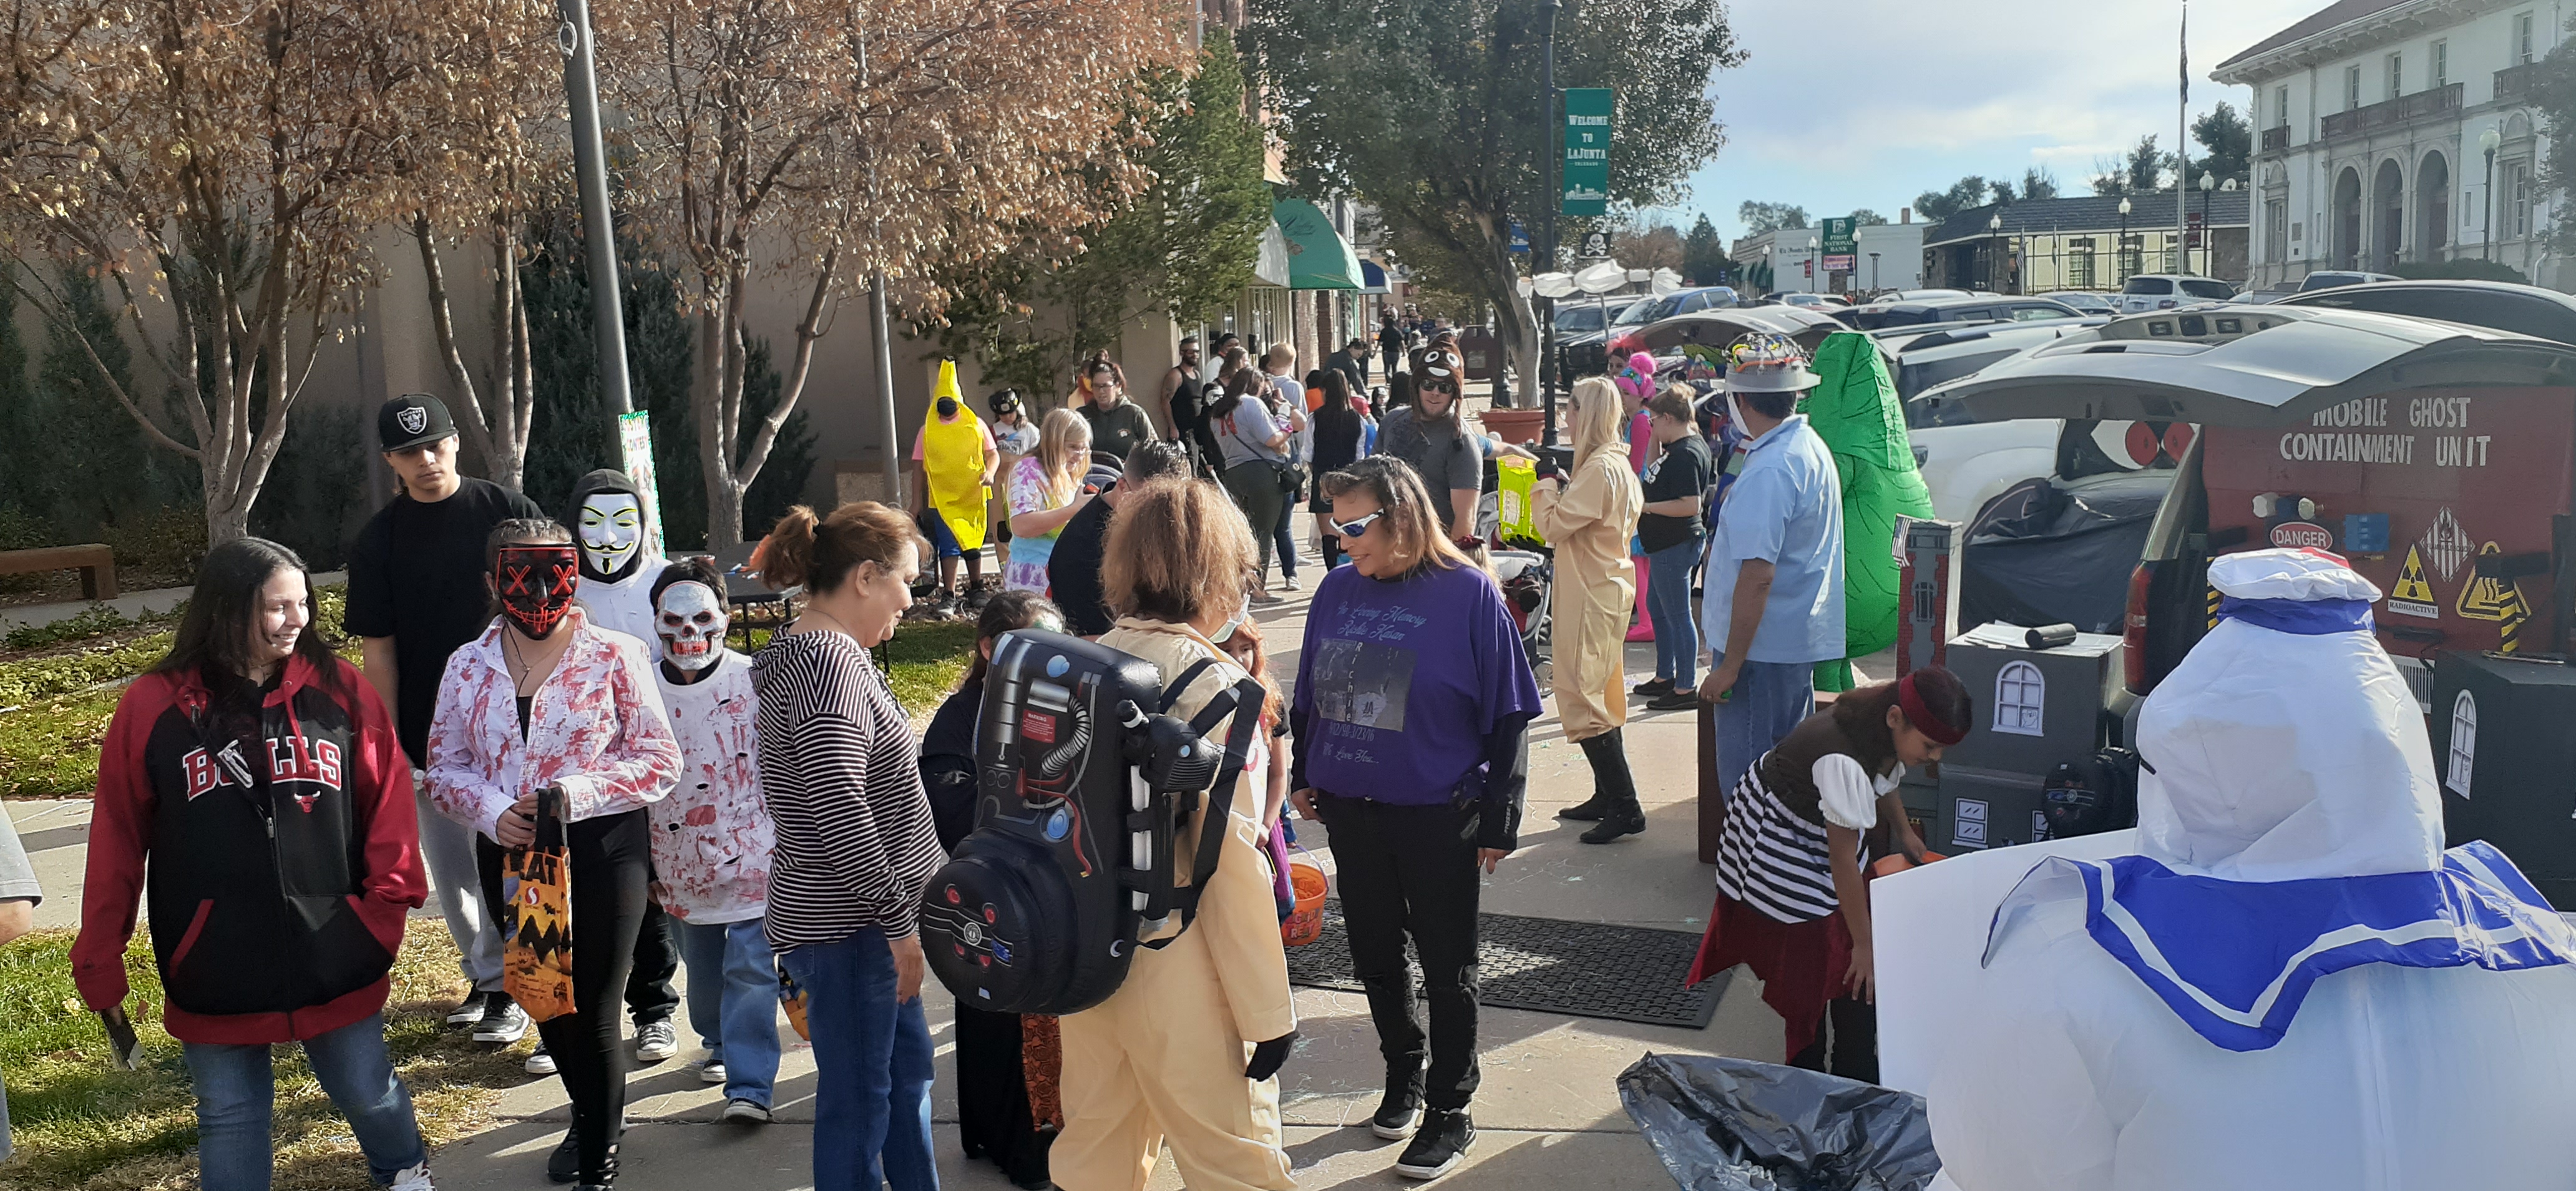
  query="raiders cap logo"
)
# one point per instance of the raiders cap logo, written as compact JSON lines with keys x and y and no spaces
{"x":412,"y":418}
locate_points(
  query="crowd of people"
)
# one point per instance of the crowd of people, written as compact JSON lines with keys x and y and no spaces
{"x":532,"y":685}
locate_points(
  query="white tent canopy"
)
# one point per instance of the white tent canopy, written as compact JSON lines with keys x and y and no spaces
{"x":1606,"y":277}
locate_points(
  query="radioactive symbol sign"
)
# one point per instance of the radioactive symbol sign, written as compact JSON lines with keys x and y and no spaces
{"x":2487,"y":597}
{"x":2413,"y":595}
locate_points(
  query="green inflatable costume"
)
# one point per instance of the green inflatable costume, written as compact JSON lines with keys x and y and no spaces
{"x":1854,"y":409}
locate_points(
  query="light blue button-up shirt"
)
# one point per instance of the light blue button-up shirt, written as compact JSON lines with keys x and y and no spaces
{"x":1786,"y":509}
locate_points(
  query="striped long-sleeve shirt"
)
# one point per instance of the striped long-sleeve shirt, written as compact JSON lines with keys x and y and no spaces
{"x":855,"y":841}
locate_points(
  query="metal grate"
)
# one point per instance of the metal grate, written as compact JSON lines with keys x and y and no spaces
{"x":1584,"y":969}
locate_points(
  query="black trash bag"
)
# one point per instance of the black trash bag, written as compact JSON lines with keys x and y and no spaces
{"x":2044,"y":553}
{"x":1724,"y":1124}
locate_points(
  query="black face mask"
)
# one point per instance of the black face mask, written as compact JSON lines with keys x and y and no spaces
{"x":947,"y":407}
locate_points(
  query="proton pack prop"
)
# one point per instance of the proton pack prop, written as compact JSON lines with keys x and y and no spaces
{"x":1082,"y":778}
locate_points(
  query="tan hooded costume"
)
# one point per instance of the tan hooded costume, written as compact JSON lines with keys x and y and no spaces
{"x":1589,"y":524}
{"x":1162,"y":1059}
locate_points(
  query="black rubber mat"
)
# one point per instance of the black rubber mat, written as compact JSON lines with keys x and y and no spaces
{"x":1584,"y":969}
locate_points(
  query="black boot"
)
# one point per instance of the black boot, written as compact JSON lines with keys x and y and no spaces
{"x":564,"y":1164}
{"x":1605,"y":797}
{"x":1614,"y":787}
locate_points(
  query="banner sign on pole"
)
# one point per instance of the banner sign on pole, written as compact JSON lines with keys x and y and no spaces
{"x":1840,"y":238}
{"x":1587,"y":151}
{"x":635,"y":450}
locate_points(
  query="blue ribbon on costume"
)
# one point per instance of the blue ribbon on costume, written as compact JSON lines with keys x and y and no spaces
{"x":2234,"y":959}
{"x":2307,"y":618}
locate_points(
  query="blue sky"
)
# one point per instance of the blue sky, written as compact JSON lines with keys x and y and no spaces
{"x":1867,"y":103}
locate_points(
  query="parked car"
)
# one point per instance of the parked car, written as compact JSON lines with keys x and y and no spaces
{"x":2270,"y":293}
{"x":2408,"y":444}
{"x":1586,"y":316}
{"x":2084,"y":302}
{"x":1812,"y":301}
{"x":1958,"y":310}
{"x":1655,"y":310}
{"x":2164,"y":291}
{"x":2333,"y":278}
{"x":1967,"y":462}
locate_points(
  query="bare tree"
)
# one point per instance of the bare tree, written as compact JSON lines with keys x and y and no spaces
{"x":221,"y":164}
{"x":479,"y":175}
{"x":822,"y":144}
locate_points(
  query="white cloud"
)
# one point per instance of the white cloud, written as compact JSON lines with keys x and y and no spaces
{"x":1868,"y":102}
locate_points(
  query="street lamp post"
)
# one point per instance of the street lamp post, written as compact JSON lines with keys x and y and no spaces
{"x":1995,"y":251}
{"x":2489,"y":141}
{"x":1815,"y":267}
{"x":1549,"y":130}
{"x":2120,"y":252}
{"x":2208,"y":259}
{"x":1873,"y":270}
{"x":598,"y":234}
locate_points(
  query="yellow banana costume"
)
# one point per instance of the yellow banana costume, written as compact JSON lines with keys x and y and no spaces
{"x":952,"y":456}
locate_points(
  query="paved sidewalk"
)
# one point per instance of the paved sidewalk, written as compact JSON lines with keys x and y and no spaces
{"x":131,"y":604}
{"x":1548,"y":1112}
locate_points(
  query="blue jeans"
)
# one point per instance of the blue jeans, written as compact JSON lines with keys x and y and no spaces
{"x":236,"y":1089}
{"x":1770,"y":698}
{"x":733,"y":1002}
{"x":1668,"y":604}
{"x":872,"y":1068}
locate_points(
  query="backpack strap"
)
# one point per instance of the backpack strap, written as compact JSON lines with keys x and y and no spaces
{"x":1180,"y":686}
{"x":1247,"y":696}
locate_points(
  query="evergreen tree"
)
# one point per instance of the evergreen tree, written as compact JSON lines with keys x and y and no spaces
{"x":781,"y":482}
{"x":86,"y":437}
{"x":1704,"y":253}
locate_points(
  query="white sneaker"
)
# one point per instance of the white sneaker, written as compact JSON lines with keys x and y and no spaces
{"x":412,"y":1178}
{"x":710,"y":1071}
{"x":542,"y":1062}
{"x":656,"y":1042}
{"x":505,"y":1022}
{"x":744,"y":1112}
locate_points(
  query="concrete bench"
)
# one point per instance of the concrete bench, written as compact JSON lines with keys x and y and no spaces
{"x":96,"y":563}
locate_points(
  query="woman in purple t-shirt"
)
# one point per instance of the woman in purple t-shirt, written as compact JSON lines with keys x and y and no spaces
{"x":1412,"y":716}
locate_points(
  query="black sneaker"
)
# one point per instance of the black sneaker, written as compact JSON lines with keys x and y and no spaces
{"x":1439,"y":1146}
{"x":1674,"y":701}
{"x":471,"y":1009}
{"x":564,"y":1165}
{"x":503,"y":1021}
{"x":1399,"y":1113}
{"x":1652,"y":687}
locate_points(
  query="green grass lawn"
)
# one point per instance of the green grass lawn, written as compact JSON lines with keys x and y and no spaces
{"x":82,"y":1125}
{"x":56,"y":697}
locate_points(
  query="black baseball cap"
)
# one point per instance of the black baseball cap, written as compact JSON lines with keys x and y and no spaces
{"x":411,"y":420}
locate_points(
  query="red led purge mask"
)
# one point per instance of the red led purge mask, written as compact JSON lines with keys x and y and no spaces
{"x":536,"y":585}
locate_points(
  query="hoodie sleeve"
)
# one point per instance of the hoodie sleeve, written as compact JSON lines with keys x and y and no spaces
{"x":120,"y":836}
{"x":642,"y":762}
{"x":394,"y":884}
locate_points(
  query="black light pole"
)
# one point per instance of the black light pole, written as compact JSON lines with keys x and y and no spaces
{"x":598,"y":235}
{"x":1550,"y":152}
{"x":2490,"y":140}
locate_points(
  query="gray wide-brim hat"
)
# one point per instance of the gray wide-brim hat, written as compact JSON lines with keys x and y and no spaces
{"x":1785,"y":378}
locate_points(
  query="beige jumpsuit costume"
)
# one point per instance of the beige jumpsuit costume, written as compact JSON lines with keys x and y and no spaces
{"x":1162,"y":1059}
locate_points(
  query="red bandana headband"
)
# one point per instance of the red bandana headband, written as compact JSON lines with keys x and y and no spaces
{"x":1921,"y":717}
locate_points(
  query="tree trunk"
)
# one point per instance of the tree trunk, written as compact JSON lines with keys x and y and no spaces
{"x":227,"y":524}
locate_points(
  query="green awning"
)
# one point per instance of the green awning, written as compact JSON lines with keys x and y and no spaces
{"x":1318,"y":256}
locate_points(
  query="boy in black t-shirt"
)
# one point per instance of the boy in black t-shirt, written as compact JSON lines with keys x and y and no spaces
{"x":1670,"y":532}
{"x":416,"y":593}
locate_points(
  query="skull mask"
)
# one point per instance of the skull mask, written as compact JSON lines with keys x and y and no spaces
{"x":691,"y":622}
{"x":536,"y":585}
{"x":611,"y":528}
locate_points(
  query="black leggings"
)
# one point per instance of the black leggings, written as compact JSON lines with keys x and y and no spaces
{"x":612,"y":865}
{"x":1410,"y":871}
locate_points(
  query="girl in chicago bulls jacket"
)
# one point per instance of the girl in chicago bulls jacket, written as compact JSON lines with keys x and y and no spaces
{"x":261,"y":780}
{"x":542,"y":700}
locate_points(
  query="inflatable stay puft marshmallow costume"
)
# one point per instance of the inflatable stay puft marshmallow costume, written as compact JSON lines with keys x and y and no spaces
{"x":2289,"y":984}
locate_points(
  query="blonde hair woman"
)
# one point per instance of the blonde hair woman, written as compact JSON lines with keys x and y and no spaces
{"x":1590,"y":514}
{"x":1162,"y":1060}
{"x":1046,"y":491}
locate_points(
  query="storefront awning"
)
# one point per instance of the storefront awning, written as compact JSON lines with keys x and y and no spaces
{"x":1318,"y":256}
{"x":1270,"y":261}
{"x":1375,"y":275}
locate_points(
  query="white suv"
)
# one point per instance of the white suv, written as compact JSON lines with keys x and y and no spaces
{"x":2164,"y":291}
